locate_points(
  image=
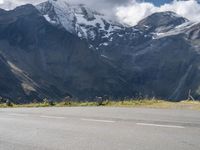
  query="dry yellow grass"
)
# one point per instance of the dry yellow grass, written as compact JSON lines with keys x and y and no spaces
{"x":191,"y":105}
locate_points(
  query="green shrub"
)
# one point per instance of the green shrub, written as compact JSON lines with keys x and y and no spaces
{"x":48,"y":102}
{"x":67,"y":103}
{"x":51,"y":103}
{"x":9,"y":103}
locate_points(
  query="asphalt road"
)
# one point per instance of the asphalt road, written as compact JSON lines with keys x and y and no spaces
{"x":99,"y":128}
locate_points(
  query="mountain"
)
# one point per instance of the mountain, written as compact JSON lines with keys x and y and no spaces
{"x":55,"y":49}
{"x":48,"y":61}
{"x":86,"y":23}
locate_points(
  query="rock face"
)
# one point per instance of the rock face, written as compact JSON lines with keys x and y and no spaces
{"x":55,"y":50}
{"x":86,"y":23}
{"x":48,"y":61}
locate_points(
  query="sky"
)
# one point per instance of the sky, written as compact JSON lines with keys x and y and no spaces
{"x":128,"y":11}
{"x":159,"y":2}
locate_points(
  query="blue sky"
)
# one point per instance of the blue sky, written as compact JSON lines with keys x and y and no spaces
{"x":159,"y":2}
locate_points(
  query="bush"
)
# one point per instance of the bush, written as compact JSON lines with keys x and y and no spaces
{"x":48,"y":102}
{"x":1,"y":100}
{"x":106,"y":102}
{"x":51,"y":103}
{"x":99,"y":101}
{"x":8,"y":103}
{"x":67,"y":101}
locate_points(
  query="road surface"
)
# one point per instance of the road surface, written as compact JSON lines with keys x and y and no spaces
{"x":99,"y":128}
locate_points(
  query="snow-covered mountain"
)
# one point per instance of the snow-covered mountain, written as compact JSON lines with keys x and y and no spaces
{"x":100,"y":31}
{"x":80,"y":20}
{"x":71,"y":50}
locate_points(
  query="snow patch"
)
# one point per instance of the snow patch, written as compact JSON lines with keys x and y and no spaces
{"x":49,"y":19}
{"x":174,"y":31}
{"x":78,"y":19}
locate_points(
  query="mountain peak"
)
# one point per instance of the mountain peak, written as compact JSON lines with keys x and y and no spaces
{"x":77,"y":19}
{"x":27,"y":7}
{"x":162,"y":19}
{"x":58,"y":13}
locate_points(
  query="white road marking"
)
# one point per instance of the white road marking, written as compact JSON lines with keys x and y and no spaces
{"x":52,"y":117}
{"x":20,"y":115}
{"x":95,"y":120}
{"x":159,"y":125}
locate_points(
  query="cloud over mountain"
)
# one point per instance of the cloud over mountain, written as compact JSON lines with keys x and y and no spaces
{"x":127,"y":11}
{"x":136,"y":11}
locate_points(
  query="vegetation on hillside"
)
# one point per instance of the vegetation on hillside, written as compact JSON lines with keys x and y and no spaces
{"x":147,"y":103}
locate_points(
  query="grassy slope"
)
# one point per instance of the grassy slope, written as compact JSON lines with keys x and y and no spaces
{"x":193,"y":105}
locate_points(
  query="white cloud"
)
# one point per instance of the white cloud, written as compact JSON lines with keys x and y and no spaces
{"x":1,"y":1}
{"x":103,"y":5}
{"x":136,"y":11}
{"x":130,"y":13}
{"x":10,"y":4}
